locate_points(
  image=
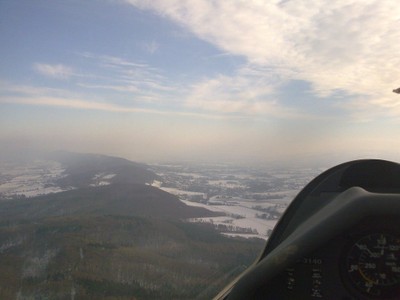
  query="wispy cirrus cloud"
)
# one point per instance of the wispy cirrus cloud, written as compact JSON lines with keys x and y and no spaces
{"x":137,"y":80}
{"x":58,"y":71}
{"x":74,"y":103}
{"x":39,"y":96}
{"x":151,"y":46}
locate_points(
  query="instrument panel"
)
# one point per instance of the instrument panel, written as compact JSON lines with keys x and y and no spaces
{"x":363,"y":263}
{"x":372,"y":265}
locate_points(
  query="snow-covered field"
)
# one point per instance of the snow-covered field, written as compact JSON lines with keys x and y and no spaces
{"x":102,"y":179}
{"x":38,"y":178}
{"x":31,"y":179}
{"x":241,"y":215}
{"x":250,"y":201}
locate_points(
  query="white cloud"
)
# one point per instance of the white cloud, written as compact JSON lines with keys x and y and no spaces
{"x":249,"y":92}
{"x":346,"y":46}
{"x":58,"y":71}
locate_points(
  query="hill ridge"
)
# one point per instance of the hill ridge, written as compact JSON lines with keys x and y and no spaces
{"x":119,"y":198}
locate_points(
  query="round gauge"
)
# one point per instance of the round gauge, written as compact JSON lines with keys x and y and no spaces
{"x":372,"y":264}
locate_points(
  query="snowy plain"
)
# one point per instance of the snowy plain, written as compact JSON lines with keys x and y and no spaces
{"x":250,"y":200}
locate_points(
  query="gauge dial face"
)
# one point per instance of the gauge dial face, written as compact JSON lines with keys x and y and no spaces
{"x":373,"y":265}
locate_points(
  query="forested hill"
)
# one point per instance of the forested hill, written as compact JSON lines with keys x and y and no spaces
{"x":82,"y":170}
{"x":112,"y":236}
{"x":100,"y":185}
{"x":116,"y":199}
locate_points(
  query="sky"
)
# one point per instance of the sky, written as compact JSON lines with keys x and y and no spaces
{"x":244,"y":81}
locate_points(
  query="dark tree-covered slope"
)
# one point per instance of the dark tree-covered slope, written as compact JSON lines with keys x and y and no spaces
{"x":80,"y":169}
{"x":116,"y":257}
{"x":118,"y":199}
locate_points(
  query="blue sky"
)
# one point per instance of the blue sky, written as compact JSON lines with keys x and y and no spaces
{"x":244,"y":81}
